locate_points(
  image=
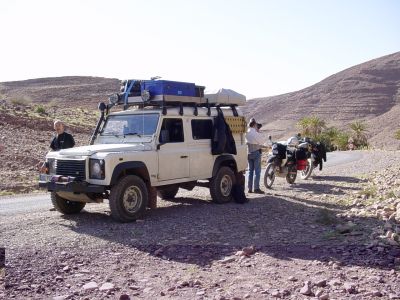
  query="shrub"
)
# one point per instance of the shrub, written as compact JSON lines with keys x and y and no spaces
{"x":40,"y":109}
{"x":359,"y":133}
{"x":397,"y":134}
{"x":23,"y":101}
{"x":342,"y":141}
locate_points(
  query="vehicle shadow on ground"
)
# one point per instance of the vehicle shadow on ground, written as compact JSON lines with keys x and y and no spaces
{"x":196,"y":232}
{"x":347,"y":179}
{"x":325,"y":188}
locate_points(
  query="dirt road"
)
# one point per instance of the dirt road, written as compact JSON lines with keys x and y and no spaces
{"x":285,"y":244}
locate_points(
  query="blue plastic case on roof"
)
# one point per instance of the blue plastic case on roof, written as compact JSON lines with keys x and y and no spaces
{"x":160,"y":87}
{"x":165,"y":87}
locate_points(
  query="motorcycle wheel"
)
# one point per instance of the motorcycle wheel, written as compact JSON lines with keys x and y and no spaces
{"x":306,"y":173}
{"x":291,"y":178}
{"x":269,"y":176}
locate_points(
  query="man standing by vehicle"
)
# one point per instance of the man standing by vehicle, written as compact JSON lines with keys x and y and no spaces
{"x":62,"y":140}
{"x":255,"y":144}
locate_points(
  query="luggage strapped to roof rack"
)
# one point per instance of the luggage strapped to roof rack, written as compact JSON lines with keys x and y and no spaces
{"x":164,"y":94}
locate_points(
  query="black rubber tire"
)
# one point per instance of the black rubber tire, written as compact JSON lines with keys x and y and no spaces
{"x":221,"y":185}
{"x":65,"y":206}
{"x":291,"y":178}
{"x":119,"y":199}
{"x":168,"y":192}
{"x":306,"y":173}
{"x":269,"y":180}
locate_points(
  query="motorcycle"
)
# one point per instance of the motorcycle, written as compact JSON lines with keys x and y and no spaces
{"x":316,"y":154}
{"x":285,"y":160}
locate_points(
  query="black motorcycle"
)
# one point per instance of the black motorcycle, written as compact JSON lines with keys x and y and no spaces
{"x":284,"y":161}
{"x":316,"y":154}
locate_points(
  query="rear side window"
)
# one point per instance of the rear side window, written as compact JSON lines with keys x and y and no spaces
{"x":201,"y":129}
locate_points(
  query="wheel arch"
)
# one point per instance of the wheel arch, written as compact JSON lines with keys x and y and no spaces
{"x":226,"y":160}
{"x":137,"y":168}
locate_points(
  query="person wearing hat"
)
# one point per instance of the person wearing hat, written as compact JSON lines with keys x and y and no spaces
{"x":255,"y":143}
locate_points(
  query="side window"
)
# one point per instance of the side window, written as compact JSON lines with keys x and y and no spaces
{"x":201,"y":129}
{"x":171,"y":131}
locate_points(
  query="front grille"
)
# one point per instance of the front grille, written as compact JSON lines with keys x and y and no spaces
{"x":74,"y":168}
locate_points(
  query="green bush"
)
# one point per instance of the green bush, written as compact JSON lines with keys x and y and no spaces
{"x":359,"y":134}
{"x":40,"y":109}
{"x":397,"y":134}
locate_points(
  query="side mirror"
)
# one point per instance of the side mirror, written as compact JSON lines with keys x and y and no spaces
{"x":102,"y":106}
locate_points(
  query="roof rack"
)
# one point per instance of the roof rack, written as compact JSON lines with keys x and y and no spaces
{"x":164,"y":94}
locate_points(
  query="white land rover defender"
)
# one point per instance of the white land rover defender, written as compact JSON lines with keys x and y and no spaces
{"x":165,"y":143}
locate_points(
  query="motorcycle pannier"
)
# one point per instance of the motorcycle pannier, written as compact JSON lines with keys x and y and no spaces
{"x":302,"y":164}
{"x":279,"y":150}
{"x":301,"y":154}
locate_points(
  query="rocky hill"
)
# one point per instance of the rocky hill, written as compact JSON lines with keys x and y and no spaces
{"x":69,"y":91}
{"x":369,"y":91}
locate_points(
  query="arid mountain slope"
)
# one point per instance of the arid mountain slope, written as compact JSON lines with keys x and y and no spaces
{"x":65,"y":91}
{"x":369,"y":91}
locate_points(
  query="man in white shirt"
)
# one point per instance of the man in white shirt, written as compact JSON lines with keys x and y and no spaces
{"x":255,"y":143}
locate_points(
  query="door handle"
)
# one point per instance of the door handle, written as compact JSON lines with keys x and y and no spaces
{"x":184,"y":156}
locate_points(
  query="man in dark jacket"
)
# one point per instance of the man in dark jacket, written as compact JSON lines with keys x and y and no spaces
{"x":62,"y":140}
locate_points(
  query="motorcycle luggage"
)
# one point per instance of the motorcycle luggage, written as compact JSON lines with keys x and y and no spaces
{"x":301,"y":154}
{"x":302,"y":164}
{"x":279,"y":150}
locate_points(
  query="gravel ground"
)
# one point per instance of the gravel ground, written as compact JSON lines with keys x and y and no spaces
{"x":287,"y":244}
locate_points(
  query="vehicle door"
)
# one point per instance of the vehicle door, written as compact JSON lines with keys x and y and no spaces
{"x":173,"y":157}
{"x":199,"y":145}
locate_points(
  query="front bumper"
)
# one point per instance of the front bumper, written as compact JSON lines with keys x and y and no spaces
{"x":56,"y":183}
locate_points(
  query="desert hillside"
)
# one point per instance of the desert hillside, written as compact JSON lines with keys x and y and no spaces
{"x":64,"y":91}
{"x":369,"y":91}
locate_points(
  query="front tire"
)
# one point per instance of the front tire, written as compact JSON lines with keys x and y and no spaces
{"x":291,"y":177}
{"x":269,"y":175}
{"x":65,"y":206}
{"x":128,"y":199}
{"x":221,"y":185}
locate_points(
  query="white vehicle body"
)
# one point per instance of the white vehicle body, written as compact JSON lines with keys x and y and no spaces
{"x":154,"y":154}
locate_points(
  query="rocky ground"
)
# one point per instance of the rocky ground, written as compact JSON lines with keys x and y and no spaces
{"x":332,"y":237}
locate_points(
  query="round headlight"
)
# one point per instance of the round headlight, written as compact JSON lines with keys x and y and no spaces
{"x":96,"y":169}
{"x":51,"y":163}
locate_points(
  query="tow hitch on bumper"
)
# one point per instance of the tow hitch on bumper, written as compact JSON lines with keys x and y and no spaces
{"x":58,"y":183}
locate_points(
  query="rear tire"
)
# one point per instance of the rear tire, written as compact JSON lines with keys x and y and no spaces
{"x":65,"y":206}
{"x":306,"y":173}
{"x":128,"y":199}
{"x":168,"y":192}
{"x":269,"y":176}
{"x":221,"y":185}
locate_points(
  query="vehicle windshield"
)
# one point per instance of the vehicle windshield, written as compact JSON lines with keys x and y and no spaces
{"x":123,"y":125}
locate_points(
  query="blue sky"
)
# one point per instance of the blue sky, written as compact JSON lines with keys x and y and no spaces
{"x":258,"y":48}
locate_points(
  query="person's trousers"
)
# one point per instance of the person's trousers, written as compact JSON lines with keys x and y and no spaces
{"x":254,"y":159}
